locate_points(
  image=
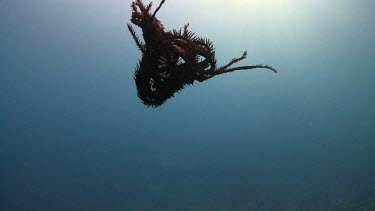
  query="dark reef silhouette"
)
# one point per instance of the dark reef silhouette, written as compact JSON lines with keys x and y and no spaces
{"x":173,"y":59}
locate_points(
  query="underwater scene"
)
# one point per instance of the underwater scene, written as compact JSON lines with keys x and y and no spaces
{"x":242,"y":105}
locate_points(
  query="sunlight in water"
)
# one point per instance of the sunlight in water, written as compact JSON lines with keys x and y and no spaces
{"x":243,"y":15}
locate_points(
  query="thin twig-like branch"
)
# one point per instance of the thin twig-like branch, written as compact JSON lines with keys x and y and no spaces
{"x":139,"y":43}
{"x":234,"y":60}
{"x":246,"y":68}
{"x":157,"y":9}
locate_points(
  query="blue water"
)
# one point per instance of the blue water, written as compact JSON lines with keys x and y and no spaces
{"x":74,"y":135}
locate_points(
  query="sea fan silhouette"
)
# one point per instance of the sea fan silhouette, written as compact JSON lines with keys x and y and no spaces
{"x":173,"y":59}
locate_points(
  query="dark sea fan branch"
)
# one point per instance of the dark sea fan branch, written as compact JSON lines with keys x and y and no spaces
{"x":171,"y":60}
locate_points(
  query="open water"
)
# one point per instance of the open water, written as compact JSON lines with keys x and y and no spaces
{"x":75,"y":136}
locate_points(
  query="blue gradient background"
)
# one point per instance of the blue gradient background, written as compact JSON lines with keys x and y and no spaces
{"x":74,"y":135}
